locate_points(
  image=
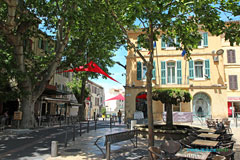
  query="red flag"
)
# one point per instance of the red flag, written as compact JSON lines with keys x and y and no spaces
{"x":91,"y":67}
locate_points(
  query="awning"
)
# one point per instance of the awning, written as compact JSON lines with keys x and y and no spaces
{"x":76,"y":104}
{"x":118,"y":97}
{"x":57,"y":100}
{"x":234,"y":99}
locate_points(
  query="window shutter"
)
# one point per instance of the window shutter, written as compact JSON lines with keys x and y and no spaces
{"x":139,"y":70}
{"x":163,"y":72}
{"x":177,"y":42}
{"x":229,"y":56}
{"x":205,"y":39}
{"x":163,"y":43}
{"x":179,"y":72}
{"x":233,"y":85}
{"x":233,"y":56}
{"x":207,"y":68}
{"x":191,"y":70}
{"x":46,"y":46}
{"x":138,"y":44}
{"x":154,"y":71}
{"x":39,"y":42}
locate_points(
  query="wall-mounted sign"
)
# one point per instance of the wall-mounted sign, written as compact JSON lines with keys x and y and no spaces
{"x":17,"y":115}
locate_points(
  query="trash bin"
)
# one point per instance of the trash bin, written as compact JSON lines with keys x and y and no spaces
{"x":133,"y":123}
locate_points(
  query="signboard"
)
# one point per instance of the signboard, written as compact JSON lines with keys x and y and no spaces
{"x":180,"y":116}
{"x":17,"y":115}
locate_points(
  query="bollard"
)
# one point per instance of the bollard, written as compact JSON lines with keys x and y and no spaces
{"x":80,"y":128}
{"x":87,"y":126}
{"x":54,"y":149}
{"x":95,"y":125}
{"x":110,"y":122}
{"x":108,"y":150}
{"x":66,"y":136}
{"x":73,"y":132}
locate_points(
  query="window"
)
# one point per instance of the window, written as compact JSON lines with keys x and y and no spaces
{"x":96,"y":101}
{"x":198,"y":69}
{"x":171,"y":43}
{"x":175,"y":108}
{"x":231,"y":57}
{"x":171,"y":72}
{"x":233,"y":85}
{"x":142,"y":70}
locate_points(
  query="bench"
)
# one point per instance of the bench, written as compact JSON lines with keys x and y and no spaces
{"x":115,"y":138}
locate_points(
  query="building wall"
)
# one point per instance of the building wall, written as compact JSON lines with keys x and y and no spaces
{"x":214,"y":86}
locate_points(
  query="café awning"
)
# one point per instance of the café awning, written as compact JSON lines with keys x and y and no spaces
{"x":56,"y":100}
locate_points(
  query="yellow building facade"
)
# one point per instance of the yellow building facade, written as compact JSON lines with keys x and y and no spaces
{"x":205,"y":76}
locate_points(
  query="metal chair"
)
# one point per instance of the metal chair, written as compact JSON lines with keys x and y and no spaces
{"x":226,"y":152}
{"x":170,"y":147}
{"x":155,"y":153}
{"x":227,"y":125}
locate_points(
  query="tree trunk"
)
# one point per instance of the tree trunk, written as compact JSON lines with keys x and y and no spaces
{"x":149,"y":90}
{"x":27,"y":108}
{"x":81,"y":111}
{"x":169,"y":120}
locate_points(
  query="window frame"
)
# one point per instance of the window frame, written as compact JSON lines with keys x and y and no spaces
{"x":231,"y":80}
{"x":144,"y":77}
{"x":175,"y":67}
{"x":203,"y":60}
{"x":230,"y":56}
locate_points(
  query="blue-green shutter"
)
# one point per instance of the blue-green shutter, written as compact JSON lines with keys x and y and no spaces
{"x":39,"y":42}
{"x":205,"y":39}
{"x":163,"y":43}
{"x":179,"y":72}
{"x":177,"y":41}
{"x":154,"y":71}
{"x":163,"y":72}
{"x":46,"y":46}
{"x":191,"y":70}
{"x":139,"y":70}
{"x":207,"y":68}
{"x":138,"y":43}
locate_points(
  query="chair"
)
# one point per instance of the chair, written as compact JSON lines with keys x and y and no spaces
{"x":170,"y":147}
{"x":155,"y":153}
{"x":230,"y":144}
{"x":225,"y":138}
{"x":185,"y":143}
{"x":226,"y":152}
{"x":211,"y":123}
{"x":227,"y":125}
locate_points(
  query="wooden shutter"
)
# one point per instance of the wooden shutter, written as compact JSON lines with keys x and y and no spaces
{"x":233,"y":56}
{"x":233,"y":85}
{"x":191,"y":69}
{"x":205,"y":39}
{"x":139,"y":70}
{"x":163,"y":72}
{"x":138,"y":43}
{"x":39,"y":42}
{"x":177,"y":41}
{"x":179,"y":72}
{"x":163,"y":43}
{"x":207,"y":68}
{"x":154,"y":71}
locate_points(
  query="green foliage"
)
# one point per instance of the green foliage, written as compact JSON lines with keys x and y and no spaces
{"x":172,"y":96}
{"x":76,"y":85}
{"x":103,"y":110}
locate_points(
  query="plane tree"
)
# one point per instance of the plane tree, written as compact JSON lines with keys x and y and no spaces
{"x":57,"y":21}
{"x":167,"y":20}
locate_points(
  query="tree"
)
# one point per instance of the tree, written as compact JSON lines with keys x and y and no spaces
{"x":170,"y":97}
{"x":170,"y":19}
{"x":64,"y":21}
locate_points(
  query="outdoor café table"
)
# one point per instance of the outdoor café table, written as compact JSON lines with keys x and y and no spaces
{"x":206,"y":130}
{"x":206,"y":135}
{"x":204,"y":143}
{"x":192,"y":154}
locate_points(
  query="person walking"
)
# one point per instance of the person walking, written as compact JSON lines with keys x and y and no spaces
{"x":119,"y":116}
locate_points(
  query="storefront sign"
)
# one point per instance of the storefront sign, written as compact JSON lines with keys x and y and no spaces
{"x":233,"y":98}
{"x":180,"y":116}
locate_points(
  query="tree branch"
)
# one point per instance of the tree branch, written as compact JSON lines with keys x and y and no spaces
{"x":125,"y":32}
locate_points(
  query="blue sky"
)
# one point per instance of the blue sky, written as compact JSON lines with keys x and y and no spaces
{"x":117,"y":72}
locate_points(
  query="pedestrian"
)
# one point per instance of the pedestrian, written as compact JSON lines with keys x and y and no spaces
{"x":6,"y":118}
{"x":119,"y":116}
